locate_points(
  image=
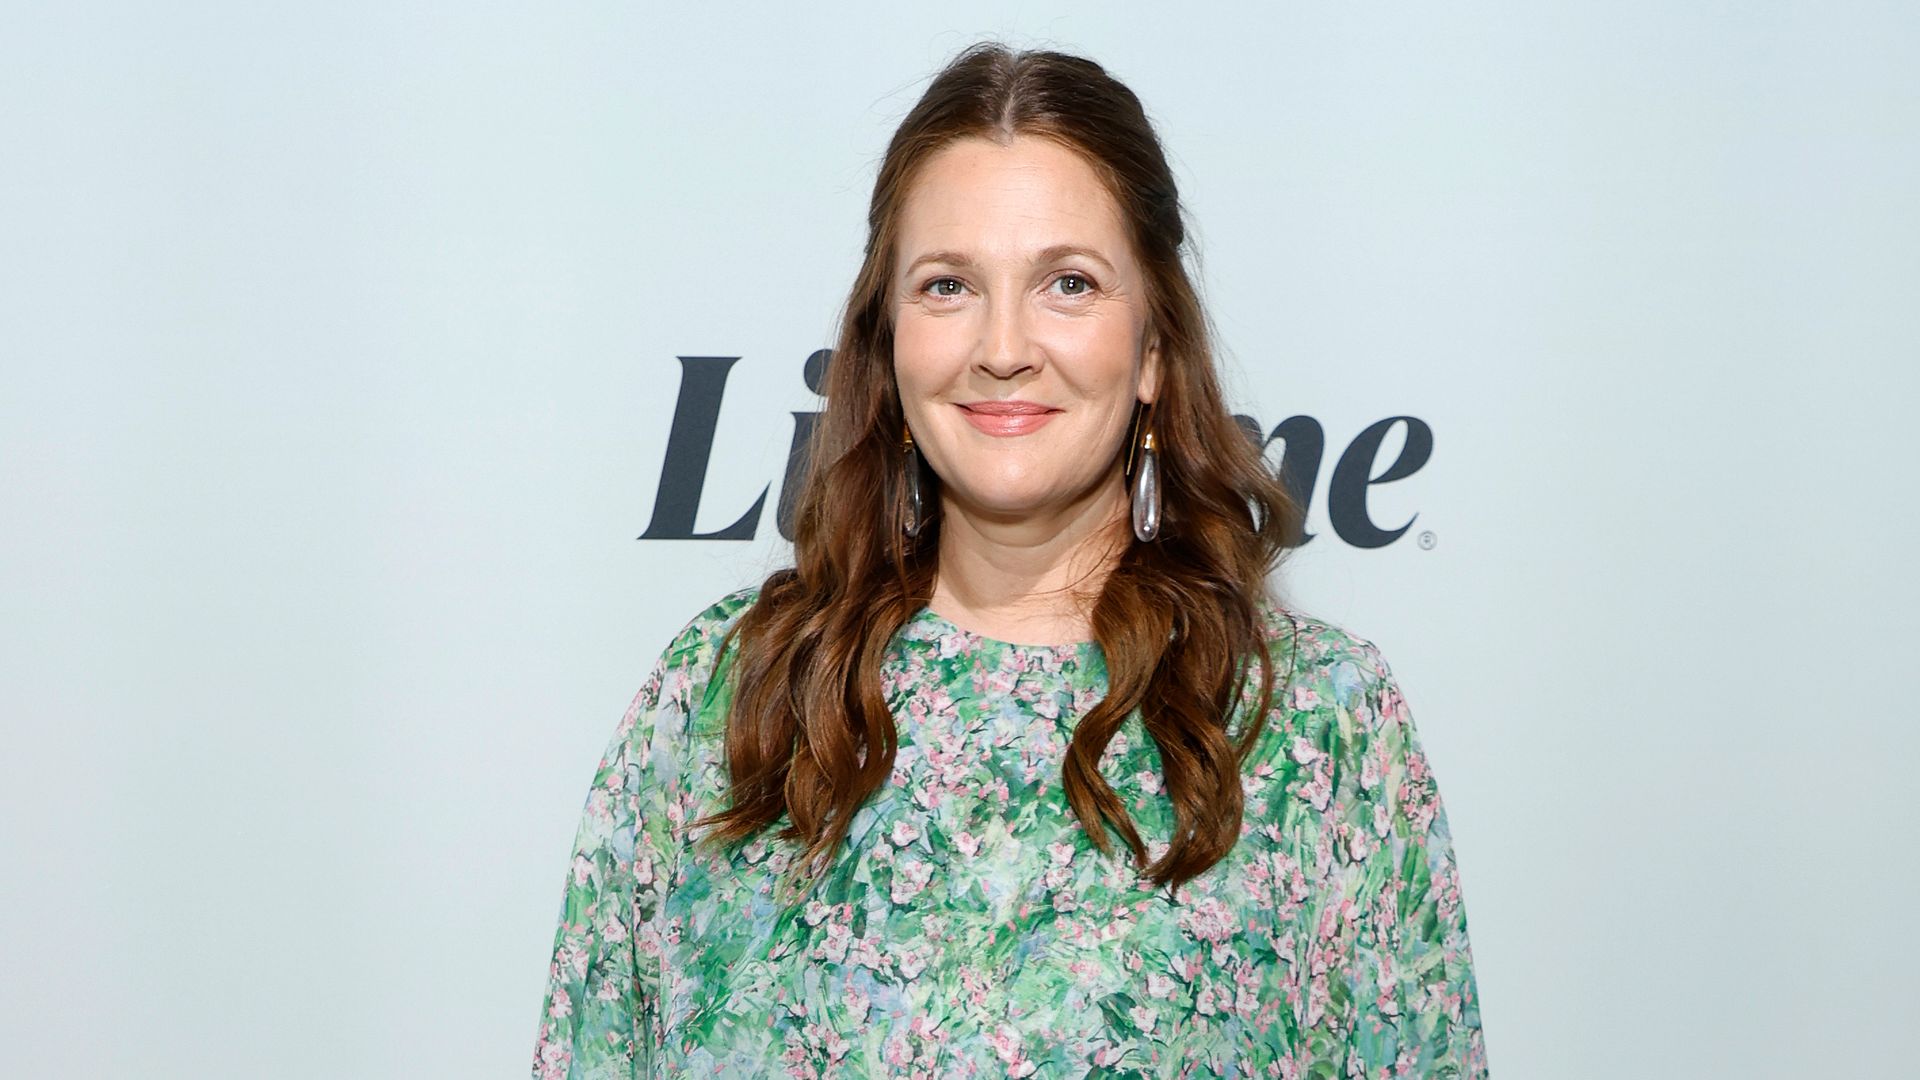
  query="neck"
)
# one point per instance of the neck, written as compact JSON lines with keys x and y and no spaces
{"x":1032,"y":578}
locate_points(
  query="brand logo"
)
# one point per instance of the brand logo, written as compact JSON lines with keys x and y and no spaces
{"x":703,"y":383}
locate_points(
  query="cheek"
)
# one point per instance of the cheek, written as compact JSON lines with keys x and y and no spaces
{"x":1100,"y":361}
{"x":917,"y":330}
{"x":920,"y":351}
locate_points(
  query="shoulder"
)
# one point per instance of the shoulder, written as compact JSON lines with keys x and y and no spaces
{"x":1323,"y":651}
{"x":1329,"y":671}
{"x":696,"y":643}
{"x":684,"y":670}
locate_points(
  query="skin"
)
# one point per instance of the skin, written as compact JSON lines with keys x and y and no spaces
{"x":1031,"y":523}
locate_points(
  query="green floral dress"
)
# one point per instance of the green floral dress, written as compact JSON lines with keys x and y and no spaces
{"x":971,"y":928}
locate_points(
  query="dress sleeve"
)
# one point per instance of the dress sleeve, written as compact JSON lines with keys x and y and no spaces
{"x":1416,"y":1002}
{"x":601,"y":1016}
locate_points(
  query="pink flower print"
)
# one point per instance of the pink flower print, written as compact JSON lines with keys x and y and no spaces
{"x":1210,"y":920}
{"x":866,"y":952}
{"x":1357,"y":844}
{"x":834,"y":949}
{"x":582,"y":869}
{"x":898,"y":1052}
{"x":561,"y":1006}
{"x":1319,"y":790}
{"x":1059,"y":877}
{"x":928,"y":796}
{"x":967,"y":844}
{"x":1329,"y":922}
{"x":858,"y":1004}
{"x":608,"y":992}
{"x":1305,"y":752}
{"x":1388,"y":1002}
{"x":1143,"y":1018}
{"x":675,"y":683}
{"x":1206,"y":1004}
{"x":1382,"y":821}
{"x":912,"y":962}
{"x":554,"y":1056}
{"x":613,"y":931}
{"x":1159,"y":985}
{"x":599,"y":807}
{"x":1064,"y":902}
{"x":816,"y":911}
{"x":573,"y":957}
{"x":1391,"y":701}
{"x":1148,"y":780}
{"x":1322,"y":854}
{"x":1305,"y":697}
{"x":1005,"y":1041}
{"x":1363,"y":715}
{"x":1062,"y":854}
{"x":952,"y":643}
{"x":1186,"y":966}
{"x":904,"y":833}
{"x":1369,"y":773}
{"x":837,"y":1046}
{"x":1107,"y":1055}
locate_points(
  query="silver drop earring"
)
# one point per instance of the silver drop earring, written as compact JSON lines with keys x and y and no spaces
{"x":916,"y":510}
{"x":1146,"y":486}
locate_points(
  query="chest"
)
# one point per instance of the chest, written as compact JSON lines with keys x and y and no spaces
{"x":970,"y":924}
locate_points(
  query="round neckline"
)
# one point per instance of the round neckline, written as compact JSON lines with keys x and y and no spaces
{"x":945,"y":626}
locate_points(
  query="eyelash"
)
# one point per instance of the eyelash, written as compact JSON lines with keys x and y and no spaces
{"x":1092,"y":285}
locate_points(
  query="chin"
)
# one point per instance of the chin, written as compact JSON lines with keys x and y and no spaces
{"x":1009,"y":501}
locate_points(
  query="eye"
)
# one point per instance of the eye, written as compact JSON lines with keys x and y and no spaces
{"x":935,"y":284}
{"x":1085,"y":282}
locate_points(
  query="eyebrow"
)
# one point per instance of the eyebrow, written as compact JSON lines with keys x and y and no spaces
{"x":1044,"y":255}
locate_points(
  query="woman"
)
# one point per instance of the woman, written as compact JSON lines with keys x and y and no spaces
{"x":856,"y":822}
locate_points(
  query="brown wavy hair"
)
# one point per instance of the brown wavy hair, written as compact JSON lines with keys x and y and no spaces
{"x":809,"y":734}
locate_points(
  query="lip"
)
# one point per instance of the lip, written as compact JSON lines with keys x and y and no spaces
{"x":1007,"y":418}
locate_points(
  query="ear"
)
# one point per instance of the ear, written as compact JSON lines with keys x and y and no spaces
{"x":1150,"y":372}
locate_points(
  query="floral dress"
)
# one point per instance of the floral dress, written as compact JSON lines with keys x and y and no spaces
{"x":970,"y":927}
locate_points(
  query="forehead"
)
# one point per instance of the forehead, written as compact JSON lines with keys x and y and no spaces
{"x":1002,"y":202}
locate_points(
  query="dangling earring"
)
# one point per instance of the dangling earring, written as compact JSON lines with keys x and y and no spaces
{"x":916,"y":510}
{"x":1146,"y":479}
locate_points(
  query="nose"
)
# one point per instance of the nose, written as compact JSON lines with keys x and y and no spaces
{"x":1006,"y":349}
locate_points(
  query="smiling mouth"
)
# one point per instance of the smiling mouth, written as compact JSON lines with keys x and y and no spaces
{"x":1008,"y":408}
{"x":1004,"y":419}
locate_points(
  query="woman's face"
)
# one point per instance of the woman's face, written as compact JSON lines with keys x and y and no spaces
{"x":1015,"y":286}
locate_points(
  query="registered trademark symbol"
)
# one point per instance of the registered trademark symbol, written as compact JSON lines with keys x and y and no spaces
{"x":1427,"y":540}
